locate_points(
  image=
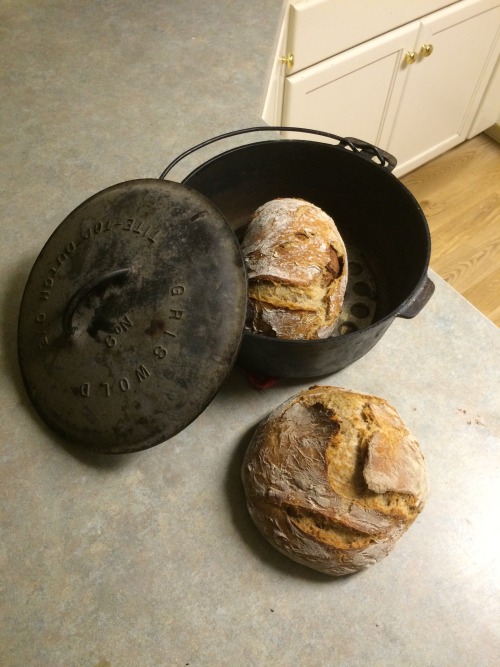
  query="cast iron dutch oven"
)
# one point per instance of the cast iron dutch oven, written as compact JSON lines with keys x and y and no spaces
{"x":134,"y":310}
{"x":383,"y":227}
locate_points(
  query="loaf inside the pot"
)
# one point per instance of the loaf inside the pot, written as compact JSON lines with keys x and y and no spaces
{"x":297,"y":270}
{"x":333,"y":478}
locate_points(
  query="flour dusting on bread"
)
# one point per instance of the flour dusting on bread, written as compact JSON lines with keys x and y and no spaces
{"x":297,"y":270}
{"x":333,"y":478}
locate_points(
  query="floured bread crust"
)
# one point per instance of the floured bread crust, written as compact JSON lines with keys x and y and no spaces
{"x":297,"y":270}
{"x":333,"y":478}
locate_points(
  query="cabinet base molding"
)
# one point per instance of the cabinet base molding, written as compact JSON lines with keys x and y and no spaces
{"x":494,"y":132}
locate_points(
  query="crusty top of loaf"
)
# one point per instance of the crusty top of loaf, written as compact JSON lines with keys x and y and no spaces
{"x":297,"y":270}
{"x":291,"y":241}
{"x":333,"y":470}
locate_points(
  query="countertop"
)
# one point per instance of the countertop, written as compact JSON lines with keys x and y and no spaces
{"x":151,"y":559}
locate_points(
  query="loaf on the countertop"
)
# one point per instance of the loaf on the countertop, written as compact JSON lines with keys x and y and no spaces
{"x":297,"y":270}
{"x":333,"y":478}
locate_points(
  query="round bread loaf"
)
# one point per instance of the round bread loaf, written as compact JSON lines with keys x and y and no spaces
{"x":297,"y":270}
{"x":333,"y":478}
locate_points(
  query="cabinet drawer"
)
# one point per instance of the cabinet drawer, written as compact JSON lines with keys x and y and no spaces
{"x":318,"y":29}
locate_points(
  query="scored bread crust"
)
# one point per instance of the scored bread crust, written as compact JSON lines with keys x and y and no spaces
{"x":333,"y":478}
{"x":297,"y":270}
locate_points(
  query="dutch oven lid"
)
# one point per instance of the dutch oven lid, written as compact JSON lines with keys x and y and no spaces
{"x":132,"y":316}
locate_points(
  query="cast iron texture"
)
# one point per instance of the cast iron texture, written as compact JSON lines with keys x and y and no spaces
{"x":132,"y":316}
{"x":374,"y":213}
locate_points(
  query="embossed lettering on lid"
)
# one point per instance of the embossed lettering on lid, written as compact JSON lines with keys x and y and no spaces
{"x":132,"y":316}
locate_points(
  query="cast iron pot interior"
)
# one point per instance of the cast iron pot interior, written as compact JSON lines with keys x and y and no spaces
{"x":374,"y":213}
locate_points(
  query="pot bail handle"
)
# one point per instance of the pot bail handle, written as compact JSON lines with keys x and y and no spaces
{"x":418,"y":301}
{"x":365,"y":149}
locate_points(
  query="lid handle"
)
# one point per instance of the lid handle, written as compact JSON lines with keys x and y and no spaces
{"x":83,"y":292}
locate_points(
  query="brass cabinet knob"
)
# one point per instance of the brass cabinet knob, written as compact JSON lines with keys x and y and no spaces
{"x":410,"y":57}
{"x":288,"y":60}
{"x":426,"y":50}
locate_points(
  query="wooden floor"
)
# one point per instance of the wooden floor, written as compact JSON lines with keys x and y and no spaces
{"x":460,"y":195}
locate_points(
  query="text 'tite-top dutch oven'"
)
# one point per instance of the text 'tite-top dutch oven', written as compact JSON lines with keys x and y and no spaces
{"x":134,"y":310}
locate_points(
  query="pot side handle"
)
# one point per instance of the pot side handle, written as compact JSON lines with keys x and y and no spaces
{"x":418,"y":300}
{"x":369,"y":151}
{"x":362,"y":148}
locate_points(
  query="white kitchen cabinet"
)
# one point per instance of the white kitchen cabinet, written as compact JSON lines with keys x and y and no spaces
{"x":354,"y":94}
{"x":488,"y":114}
{"x":415,"y":110}
{"x":319,"y":29}
{"x":442,"y":92}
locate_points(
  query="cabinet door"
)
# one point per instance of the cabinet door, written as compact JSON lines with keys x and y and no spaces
{"x":354,"y":93}
{"x":488,"y":113}
{"x":442,"y":91}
